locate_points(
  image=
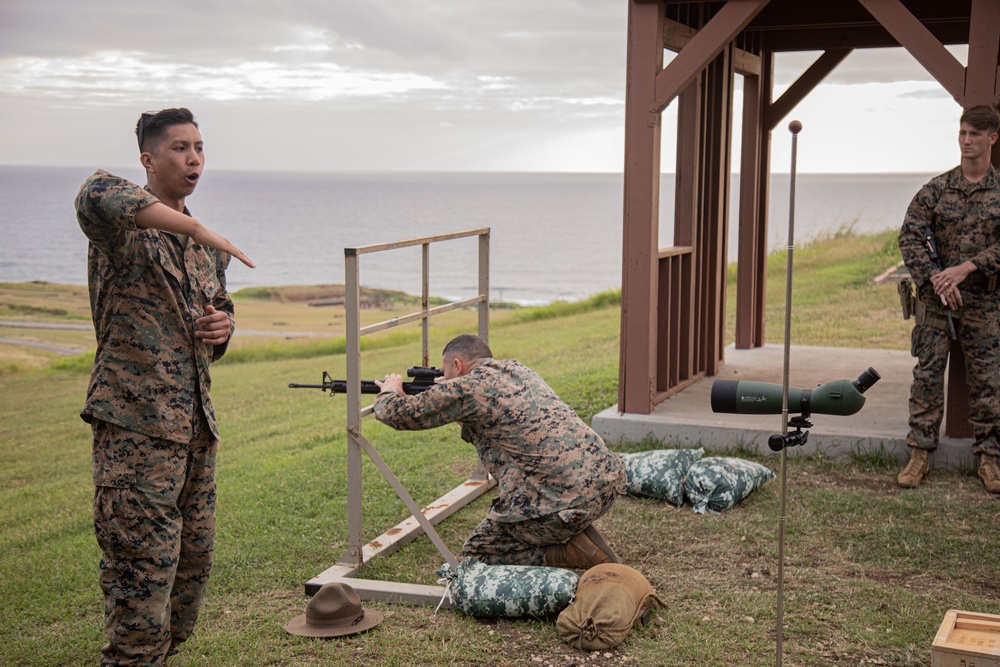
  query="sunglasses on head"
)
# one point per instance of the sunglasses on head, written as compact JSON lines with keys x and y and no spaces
{"x":141,"y":130}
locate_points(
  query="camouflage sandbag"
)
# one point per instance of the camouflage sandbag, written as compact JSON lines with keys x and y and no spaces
{"x":508,"y":591}
{"x":609,"y":600}
{"x":660,"y":473}
{"x":716,"y":483}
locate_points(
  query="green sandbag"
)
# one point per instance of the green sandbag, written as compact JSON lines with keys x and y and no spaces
{"x":660,"y":473}
{"x":508,"y":591}
{"x":716,"y":483}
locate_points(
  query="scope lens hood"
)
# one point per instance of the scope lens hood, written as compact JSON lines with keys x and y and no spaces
{"x":724,"y":394}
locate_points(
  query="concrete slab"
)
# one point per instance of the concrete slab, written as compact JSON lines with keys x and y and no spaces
{"x":880,"y":426}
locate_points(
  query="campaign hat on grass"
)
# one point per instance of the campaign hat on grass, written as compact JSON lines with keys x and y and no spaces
{"x":335,"y":611}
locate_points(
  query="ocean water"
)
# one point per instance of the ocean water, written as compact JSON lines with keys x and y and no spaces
{"x":553,"y":236}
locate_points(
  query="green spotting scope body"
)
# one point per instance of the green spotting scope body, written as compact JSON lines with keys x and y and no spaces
{"x":837,"y":397}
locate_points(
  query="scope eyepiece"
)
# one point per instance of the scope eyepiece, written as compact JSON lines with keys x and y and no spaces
{"x":867,"y":379}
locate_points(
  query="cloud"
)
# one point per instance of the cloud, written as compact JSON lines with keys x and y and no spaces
{"x":111,"y":77}
{"x":377,"y":84}
{"x":934,"y":93}
{"x":311,"y":50}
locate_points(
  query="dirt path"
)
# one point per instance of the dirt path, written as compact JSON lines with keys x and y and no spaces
{"x":48,"y":347}
{"x":70,"y":326}
{"x":18,"y":324}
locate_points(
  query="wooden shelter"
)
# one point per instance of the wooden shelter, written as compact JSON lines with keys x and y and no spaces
{"x":673,"y":298}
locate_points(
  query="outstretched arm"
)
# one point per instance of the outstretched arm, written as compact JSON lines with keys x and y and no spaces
{"x":161,"y":216}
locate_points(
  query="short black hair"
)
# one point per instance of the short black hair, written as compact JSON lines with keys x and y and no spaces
{"x":152,"y":125}
{"x":984,"y":118}
{"x":467,"y":346}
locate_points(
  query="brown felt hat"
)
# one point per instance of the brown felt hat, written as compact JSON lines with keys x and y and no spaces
{"x":335,"y":611}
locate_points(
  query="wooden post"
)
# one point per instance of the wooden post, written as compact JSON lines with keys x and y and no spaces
{"x":749,"y":292}
{"x":637,"y":380}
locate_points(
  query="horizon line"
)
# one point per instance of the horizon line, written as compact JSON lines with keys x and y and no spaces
{"x":334,"y":172}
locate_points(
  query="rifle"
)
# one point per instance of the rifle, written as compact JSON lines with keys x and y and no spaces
{"x":932,"y":254}
{"x":423,"y":379}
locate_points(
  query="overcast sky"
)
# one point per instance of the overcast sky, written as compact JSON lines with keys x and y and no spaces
{"x":452,"y":85}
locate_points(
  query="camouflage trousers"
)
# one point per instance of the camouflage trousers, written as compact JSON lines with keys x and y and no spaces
{"x":496,"y":542}
{"x":978,"y":330}
{"x":154,"y":517}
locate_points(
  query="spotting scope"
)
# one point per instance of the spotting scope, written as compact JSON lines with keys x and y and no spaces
{"x":837,"y":397}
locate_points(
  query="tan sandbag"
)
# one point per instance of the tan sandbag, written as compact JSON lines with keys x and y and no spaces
{"x":610,"y":598}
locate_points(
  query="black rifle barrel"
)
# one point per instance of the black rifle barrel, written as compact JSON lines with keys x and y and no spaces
{"x":424,"y":379}
{"x":932,"y":254}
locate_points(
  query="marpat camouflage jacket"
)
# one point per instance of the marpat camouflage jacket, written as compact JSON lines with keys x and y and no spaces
{"x":543,"y":456}
{"x":146,"y":291}
{"x":964,"y":218}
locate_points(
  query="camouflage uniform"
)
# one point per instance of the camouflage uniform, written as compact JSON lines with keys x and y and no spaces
{"x":155,"y":432}
{"x":555,"y":474}
{"x":965,"y":220}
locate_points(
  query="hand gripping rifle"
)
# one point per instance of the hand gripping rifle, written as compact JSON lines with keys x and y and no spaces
{"x":423,"y":379}
{"x":932,"y":254}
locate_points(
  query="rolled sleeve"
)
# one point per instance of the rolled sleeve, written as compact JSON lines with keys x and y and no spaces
{"x":106,"y":206}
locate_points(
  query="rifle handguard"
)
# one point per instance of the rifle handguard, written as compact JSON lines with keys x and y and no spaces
{"x":424,"y":377}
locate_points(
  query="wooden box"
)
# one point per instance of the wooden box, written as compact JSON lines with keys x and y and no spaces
{"x":967,"y":639}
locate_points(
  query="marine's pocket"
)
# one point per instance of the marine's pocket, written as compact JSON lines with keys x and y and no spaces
{"x":113,"y":455}
{"x":205,"y":276}
{"x":116,"y":475}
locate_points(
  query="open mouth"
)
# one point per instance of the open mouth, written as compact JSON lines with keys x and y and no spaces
{"x":192,"y":178}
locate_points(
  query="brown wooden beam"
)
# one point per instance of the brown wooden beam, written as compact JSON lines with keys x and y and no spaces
{"x":814,"y":25}
{"x":982,"y":78}
{"x":759,"y":258}
{"x":798,"y":15}
{"x":717,"y":114}
{"x":640,"y":264}
{"x":817,"y":38}
{"x":688,"y":165}
{"x":703,"y":48}
{"x":956,"y":409}
{"x":749,"y":313}
{"x":922,"y":45}
{"x":804,"y":85}
{"x":676,"y":36}
{"x":687,"y":195}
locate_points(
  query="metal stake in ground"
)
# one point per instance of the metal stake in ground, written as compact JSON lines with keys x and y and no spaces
{"x":794,"y":127}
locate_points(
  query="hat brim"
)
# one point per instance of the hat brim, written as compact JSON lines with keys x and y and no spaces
{"x":298,"y":626}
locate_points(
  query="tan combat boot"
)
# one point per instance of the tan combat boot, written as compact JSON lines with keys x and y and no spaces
{"x":581,"y":552}
{"x":915,"y":470}
{"x":989,"y":473}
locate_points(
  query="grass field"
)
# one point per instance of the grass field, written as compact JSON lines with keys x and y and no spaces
{"x":870,"y":569}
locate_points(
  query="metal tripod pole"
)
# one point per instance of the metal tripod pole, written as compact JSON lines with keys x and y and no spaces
{"x":794,"y":127}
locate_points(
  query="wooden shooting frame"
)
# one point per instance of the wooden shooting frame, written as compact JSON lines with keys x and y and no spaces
{"x":422,"y":520}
